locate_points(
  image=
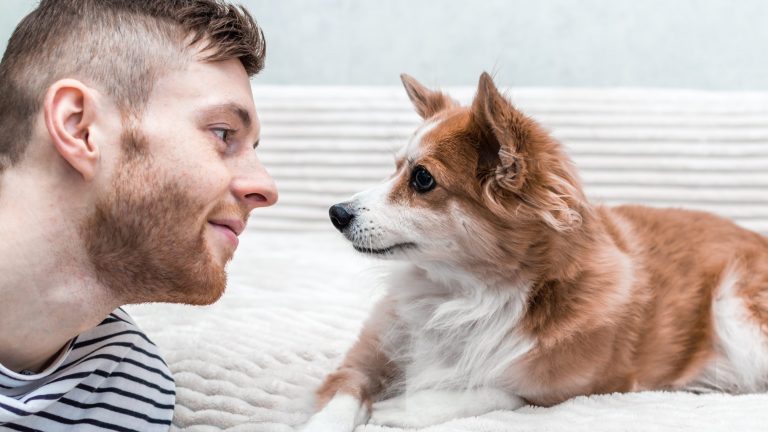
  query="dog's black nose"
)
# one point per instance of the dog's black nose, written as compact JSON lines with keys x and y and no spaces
{"x":340,"y":216}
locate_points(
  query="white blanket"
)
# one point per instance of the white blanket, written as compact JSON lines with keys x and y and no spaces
{"x":294,"y":306}
{"x":298,"y":294}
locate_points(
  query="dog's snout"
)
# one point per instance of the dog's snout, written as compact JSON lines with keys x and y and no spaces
{"x":341,"y":217}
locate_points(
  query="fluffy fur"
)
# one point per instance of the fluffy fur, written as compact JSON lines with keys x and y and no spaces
{"x":514,"y":285}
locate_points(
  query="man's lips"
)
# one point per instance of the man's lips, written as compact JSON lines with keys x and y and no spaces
{"x":236,"y":226}
{"x":231,"y":228}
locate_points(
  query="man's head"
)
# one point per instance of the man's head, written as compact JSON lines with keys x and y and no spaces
{"x":145,"y":109}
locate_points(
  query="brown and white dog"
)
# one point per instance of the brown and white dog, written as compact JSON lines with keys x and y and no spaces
{"x":516,"y":289}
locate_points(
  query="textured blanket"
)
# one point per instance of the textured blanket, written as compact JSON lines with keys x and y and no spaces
{"x":298,"y":294}
{"x":295,"y":304}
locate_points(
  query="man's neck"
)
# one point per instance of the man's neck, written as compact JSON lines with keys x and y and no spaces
{"x":48,"y":291}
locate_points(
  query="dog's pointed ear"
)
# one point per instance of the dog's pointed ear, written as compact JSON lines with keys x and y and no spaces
{"x":506,"y":141}
{"x":500,"y":145}
{"x":427,"y":102}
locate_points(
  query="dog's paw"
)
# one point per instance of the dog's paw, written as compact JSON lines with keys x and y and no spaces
{"x":342,"y":414}
{"x":431,"y":407}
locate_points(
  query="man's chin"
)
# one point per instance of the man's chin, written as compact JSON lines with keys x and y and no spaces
{"x":207,"y":283}
{"x":202,"y":291}
{"x":203,"y":298}
{"x":222,"y":258}
{"x":187,"y":278}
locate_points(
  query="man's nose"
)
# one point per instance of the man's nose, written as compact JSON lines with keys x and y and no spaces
{"x":254,"y":186}
{"x":341,"y":216}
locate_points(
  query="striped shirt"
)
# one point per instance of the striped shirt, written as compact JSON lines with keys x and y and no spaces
{"x":109,"y":378}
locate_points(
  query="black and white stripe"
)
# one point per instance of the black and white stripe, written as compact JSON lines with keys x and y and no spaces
{"x":109,"y":378}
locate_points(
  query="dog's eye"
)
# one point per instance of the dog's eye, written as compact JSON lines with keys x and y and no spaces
{"x":421,"y":180}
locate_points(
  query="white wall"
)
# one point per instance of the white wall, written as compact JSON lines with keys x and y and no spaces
{"x":714,"y":44}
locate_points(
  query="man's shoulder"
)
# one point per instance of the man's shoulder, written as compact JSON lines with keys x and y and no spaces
{"x":121,"y":318}
{"x":112,"y":374}
{"x":126,"y":358}
{"x":116,"y":330}
{"x":119,"y":335}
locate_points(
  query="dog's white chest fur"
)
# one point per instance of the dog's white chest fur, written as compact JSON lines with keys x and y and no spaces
{"x":452,"y":332}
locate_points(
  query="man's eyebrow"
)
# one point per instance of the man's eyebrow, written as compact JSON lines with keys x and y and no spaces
{"x":236,"y":109}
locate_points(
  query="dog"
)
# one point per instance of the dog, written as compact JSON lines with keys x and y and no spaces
{"x":515,"y":289}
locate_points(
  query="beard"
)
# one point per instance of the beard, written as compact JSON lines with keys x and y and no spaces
{"x":145,"y":238}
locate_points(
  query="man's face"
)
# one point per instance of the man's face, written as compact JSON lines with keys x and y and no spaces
{"x":182,"y":190}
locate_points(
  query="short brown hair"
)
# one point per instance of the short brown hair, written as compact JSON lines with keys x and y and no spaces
{"x":118,"y":46}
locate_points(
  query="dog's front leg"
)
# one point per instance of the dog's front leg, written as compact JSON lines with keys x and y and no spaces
{"x":342,"y":413}
{"x":346,"y":396}
{"x":430,"y":407}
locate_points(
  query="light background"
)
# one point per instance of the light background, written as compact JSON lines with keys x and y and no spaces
{"x":705,"y":44}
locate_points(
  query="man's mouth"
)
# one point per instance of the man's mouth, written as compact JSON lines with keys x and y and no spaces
{"x":230,"y":228}
{"x":384,"y":251}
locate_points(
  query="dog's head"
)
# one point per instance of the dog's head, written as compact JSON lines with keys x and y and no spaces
{"x":472,"y":184}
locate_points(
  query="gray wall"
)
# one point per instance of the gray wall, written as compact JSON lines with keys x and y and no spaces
{"x":11,"y":12}
{"x":711,"y":44}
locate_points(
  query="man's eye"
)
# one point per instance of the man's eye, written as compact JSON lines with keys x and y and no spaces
{"x":222,"y":133}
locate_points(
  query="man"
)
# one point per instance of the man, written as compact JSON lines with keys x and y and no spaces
{"x":127,"y":170}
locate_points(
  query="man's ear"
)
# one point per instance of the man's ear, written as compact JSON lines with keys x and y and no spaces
{"x":69,"y":109}
{"x":427,"y":102}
